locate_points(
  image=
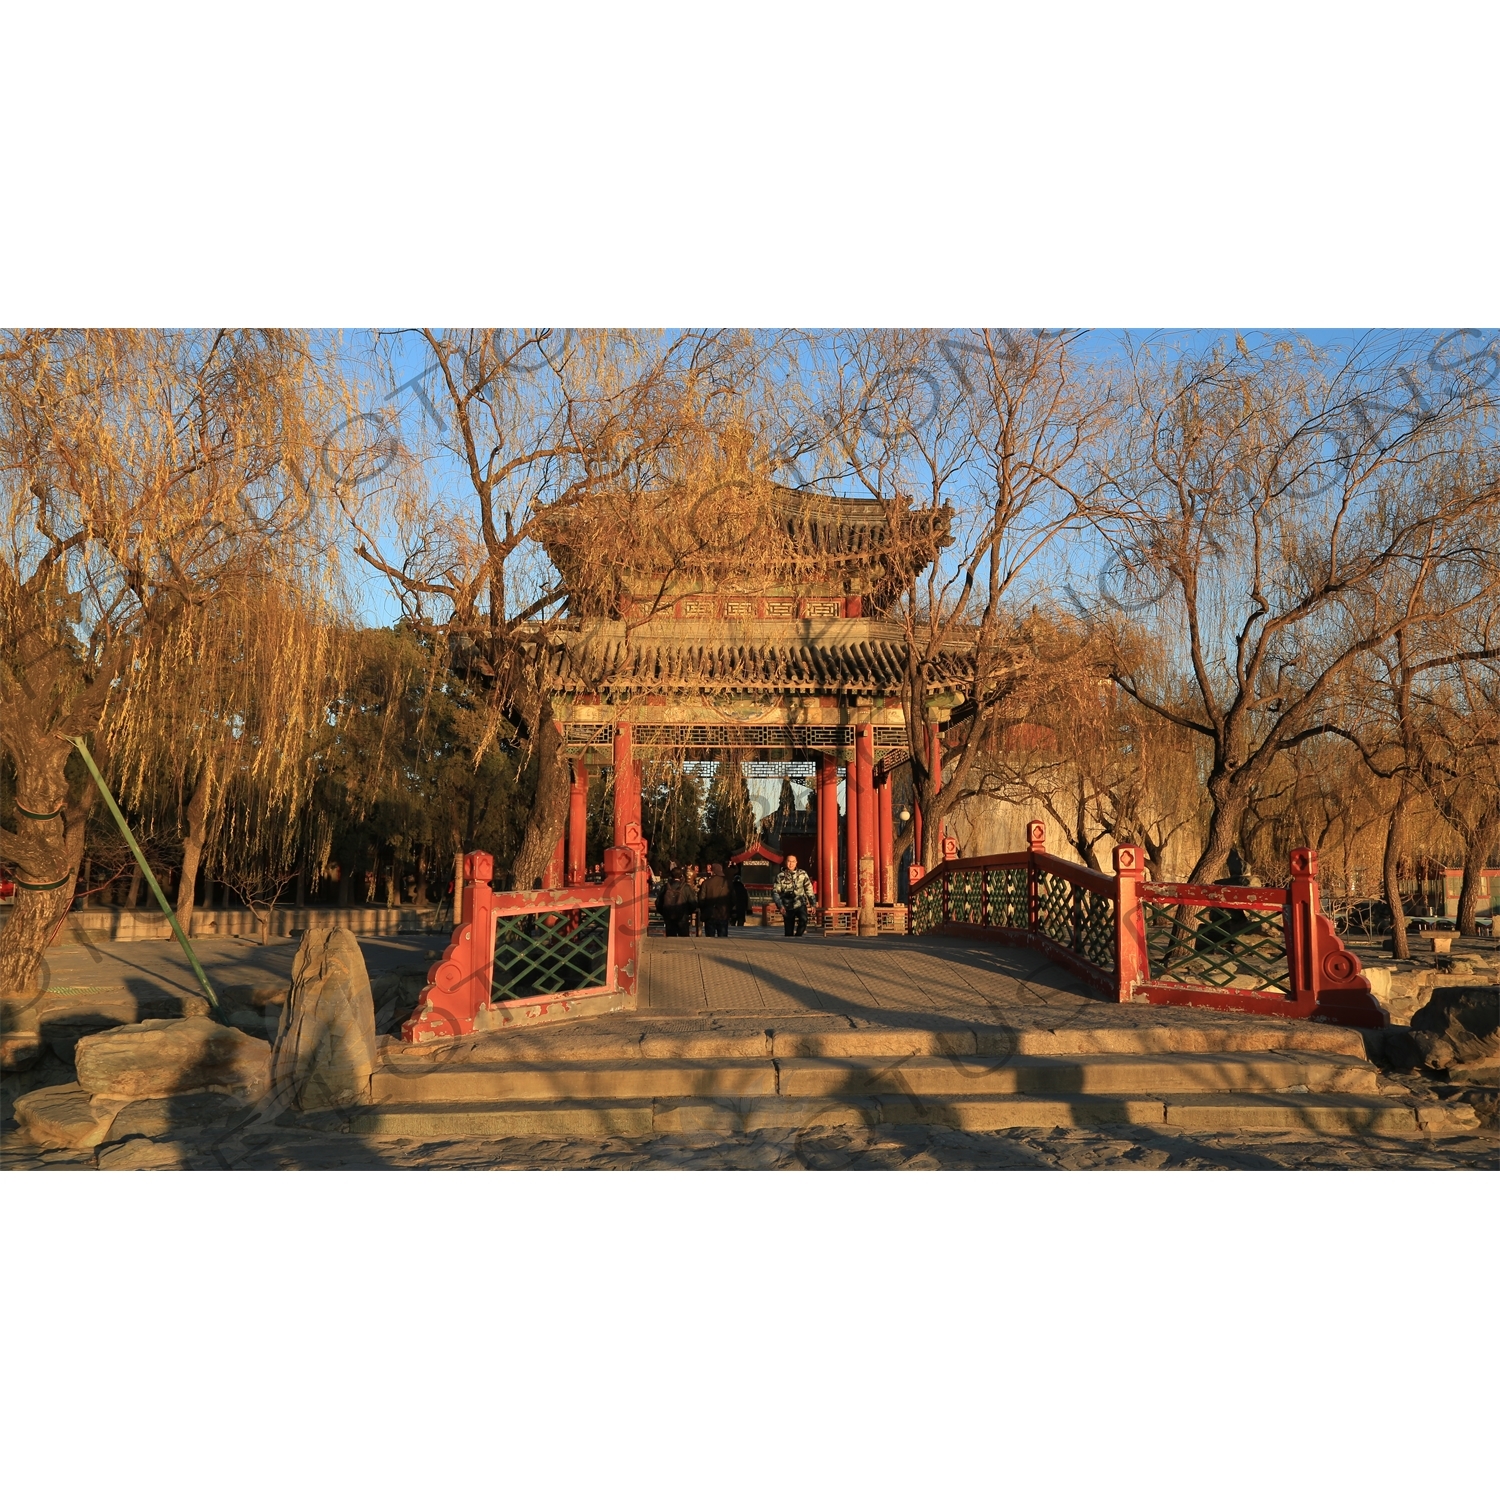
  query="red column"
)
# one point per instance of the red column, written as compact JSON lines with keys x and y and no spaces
{"x":578,"y":821}
{"x":828,"y":832}
{"x":886,"y":842}
{"x":627,"y":788}
{"x":851,"y":837}
{"x":864,"y":776}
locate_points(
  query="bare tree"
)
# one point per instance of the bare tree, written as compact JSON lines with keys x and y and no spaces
{"x":989,"y":431}
{"x":526,"y":445}
{"x":1287,"y":517}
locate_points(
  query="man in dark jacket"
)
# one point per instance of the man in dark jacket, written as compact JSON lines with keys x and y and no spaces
{"x":739,"y":898}
{"x":793,"y":893}
{"x":676,"y":903}
{"x":713,"y":902}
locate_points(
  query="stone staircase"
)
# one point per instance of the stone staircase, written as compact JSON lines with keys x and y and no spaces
{"x":641,"y":1076}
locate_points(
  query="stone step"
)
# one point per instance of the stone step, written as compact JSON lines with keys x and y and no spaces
{"x":625,"y":1079}
{"x":1327,"y":1114}
{"x":610,"y":1039}
{"x":411,"y":1082}
{"x":1120,"y":1074}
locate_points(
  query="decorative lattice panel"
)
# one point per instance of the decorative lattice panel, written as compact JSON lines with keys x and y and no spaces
{"x":966,"y":896}
{"x":1055,"y":908}
{"x":1096,"y":929}
{"x":888,"y":737}
{"x":1006,"y":898}
{"x":927,"y":908}
{"x":1218,"y":947}
{"x":549,"y":953}
{"x":746,"y":736}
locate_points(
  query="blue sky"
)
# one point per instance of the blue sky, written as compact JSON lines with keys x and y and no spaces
{"x":409,"y":356}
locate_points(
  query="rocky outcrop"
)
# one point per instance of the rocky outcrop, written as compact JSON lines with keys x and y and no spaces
{"x":325,"y":1047}
{"x":1459,"y":1027}
{"x":159,"y":1059}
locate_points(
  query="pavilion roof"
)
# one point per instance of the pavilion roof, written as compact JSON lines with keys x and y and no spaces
{"x":838,"y":656}
{"x":750,"y":535}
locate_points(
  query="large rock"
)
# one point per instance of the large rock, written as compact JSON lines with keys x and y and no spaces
{"x":151,"y":1118}
{"x":158,"y":1059}
{"x":1459,"y":1027}
{"x":325,"y":1046}
{"x":62,"y":1116}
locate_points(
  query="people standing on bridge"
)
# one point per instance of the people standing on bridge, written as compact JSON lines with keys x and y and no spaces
{"x":713,"y":902}
{"x":739,"y":897}
{"x":793,"y":893}
{"x":676,"y":903}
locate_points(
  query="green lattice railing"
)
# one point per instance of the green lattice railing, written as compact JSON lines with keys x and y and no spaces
{"x":1068,"y":913}
{"x":1054,"y":909}
{"x":1263,"y":950}
{"x":1096,"y":928}
{"x":927,"y":908}
{"x":550,"y":953}
{"x":1217,"y":947}
{"x":966,"y":896}
{"x":1007,"y":898}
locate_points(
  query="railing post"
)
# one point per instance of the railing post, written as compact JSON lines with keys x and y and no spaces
{"x":1132,"y":961}
{"x":1301,"y":908}
{"x":627,"y":922}
{"x":1036,"y":843}
{"x":460,"y":983}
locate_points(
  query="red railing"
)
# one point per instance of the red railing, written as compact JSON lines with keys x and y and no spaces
{"x":557,"y":948}
{"x":1266,"y":950}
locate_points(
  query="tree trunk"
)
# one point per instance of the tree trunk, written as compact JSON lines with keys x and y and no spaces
{"x":549,"y":812}
{"x":1223,"y":828}
{"x":133,"y":892}
{"x":41,"y":850}
{"x":1476,"y":847}
{"x":192,"y":852}
{"x":1395,"y":839}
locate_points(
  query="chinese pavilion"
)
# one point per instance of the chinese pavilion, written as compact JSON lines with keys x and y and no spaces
{"x":791,"y":659}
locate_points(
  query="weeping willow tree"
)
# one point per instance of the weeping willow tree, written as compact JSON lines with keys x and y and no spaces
{"x":228,"y":712}
{"x":162,"y":531}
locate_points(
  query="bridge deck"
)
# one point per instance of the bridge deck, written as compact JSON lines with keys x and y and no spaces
{"x":886,"y":981}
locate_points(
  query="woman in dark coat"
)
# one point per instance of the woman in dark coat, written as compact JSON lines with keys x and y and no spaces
{"x":739,"y":897}
{"x":676,"y":903}
{"x":713,"y":901}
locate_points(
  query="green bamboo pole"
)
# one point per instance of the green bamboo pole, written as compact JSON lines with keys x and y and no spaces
{"x":156,"y":890}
